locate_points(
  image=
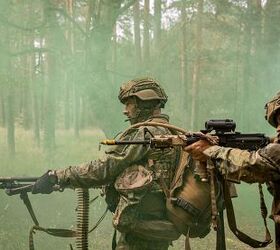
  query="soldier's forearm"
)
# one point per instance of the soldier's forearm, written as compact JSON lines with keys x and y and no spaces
{"x":242,"y":164}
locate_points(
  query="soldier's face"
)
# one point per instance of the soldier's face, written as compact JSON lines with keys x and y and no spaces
{"x":130,"y":108}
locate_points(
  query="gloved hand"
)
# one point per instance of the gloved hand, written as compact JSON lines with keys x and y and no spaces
{"x":196,"y":150}
{"x":44,"y":185}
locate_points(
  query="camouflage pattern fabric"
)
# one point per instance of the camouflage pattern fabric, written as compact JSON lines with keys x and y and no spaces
{"x":124,"y":165}
{"x":131,"y":242}
{"x":256,"y":166}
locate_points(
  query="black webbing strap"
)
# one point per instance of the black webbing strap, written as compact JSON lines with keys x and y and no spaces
{"x":99,"y":221}
{"x":264,"y":212}
{"x":233,"y":227}
{"x":276,"y":213}
{"x":217,"y":215}
{"x":187,"y":241}
{"x":51,"y":231}
{"x":66,"y":233}
{"x":57,"y":232}
{"x":220,"y":235}
{"x":114,"y":240}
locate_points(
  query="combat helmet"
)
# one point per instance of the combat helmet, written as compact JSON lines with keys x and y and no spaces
{"x":272,"y":107}
{"x":146,"y":89}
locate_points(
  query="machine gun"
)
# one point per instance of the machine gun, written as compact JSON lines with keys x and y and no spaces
{"x":24,"y":185}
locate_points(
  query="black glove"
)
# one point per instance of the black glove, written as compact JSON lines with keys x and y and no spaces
{"x":44,"y":185}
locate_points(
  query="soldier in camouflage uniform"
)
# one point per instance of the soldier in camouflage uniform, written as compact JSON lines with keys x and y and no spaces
{"x":262,"y":166}
{"x":136,"y":171}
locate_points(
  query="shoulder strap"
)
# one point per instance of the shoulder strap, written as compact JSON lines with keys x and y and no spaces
{"x":276,"y":213}
{"x":276,"y":208}
{"x":179,"y":171}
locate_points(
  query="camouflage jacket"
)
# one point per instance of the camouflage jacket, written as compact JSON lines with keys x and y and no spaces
{"x":136,"y":172}
{"x":256,"y":166}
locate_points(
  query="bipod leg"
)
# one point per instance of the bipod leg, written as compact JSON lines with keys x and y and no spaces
{"x":26,"y":201}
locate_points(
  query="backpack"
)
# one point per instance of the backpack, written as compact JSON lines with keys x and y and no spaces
{"x":189,"y":201}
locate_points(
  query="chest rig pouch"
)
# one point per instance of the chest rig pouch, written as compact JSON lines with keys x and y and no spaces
{"x":132,"y":185}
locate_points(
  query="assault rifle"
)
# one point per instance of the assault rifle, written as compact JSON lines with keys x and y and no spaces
{"x":223,"y":129}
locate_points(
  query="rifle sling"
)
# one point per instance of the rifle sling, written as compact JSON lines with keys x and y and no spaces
{"x":51,"y":231}
{"x":276,"y":213}
{"x":233,"y":227}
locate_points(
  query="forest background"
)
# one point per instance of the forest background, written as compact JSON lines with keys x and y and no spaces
{"x":62,"y":63}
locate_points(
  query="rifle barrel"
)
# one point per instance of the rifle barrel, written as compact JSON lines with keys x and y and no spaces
{"x":18,"y":179}
{"x":116,"y":142}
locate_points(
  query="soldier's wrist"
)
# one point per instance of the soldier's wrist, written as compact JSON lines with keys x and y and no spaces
{"x":53,"y":179}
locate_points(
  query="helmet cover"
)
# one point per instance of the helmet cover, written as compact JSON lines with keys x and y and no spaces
{"x":272,"y":107}
{"x":146,"y":89}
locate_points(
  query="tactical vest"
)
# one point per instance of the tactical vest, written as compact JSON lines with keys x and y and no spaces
{"x":141,"y":207}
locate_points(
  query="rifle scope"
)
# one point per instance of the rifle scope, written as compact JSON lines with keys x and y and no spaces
{"x":220,"y":126}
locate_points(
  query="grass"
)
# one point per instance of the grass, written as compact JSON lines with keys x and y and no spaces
{"x":58,"y":209}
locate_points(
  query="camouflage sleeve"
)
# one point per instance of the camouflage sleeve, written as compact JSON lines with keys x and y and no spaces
{"x":243,"y":165}
{"x":103,"y":171}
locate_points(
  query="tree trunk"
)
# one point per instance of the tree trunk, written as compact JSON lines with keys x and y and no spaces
{"x":157,"y":38}
{"x":11,"y":121}
{"x":67,"y":104}
{"x":51,"y":82}
{"x":69,"y":35}
{"x":26,"y":105}
{"x":146,"y":36}
{"x":2,"y":109}
{"x":137,"y":37}
{"x":196,"y":68}
{"x":157,"y":20}
{"x":184,"y":87}
{"x":36,"y":114}
{"x":272,"y":41}
{"x":104,"y":20}
{"x":114,"y":56}
{"x":76,"y":110}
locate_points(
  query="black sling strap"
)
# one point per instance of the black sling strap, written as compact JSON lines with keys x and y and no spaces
{"x":233,"y":227}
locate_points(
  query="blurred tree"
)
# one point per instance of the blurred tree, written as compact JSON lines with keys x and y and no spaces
{"x":52,"y":68}
{"x":103,"y":18}
{"x":271,"y":58}
{"x":146,"y":36}
{"x":137,"y":37}
{"x":183,"y":50}
{"x":2,"y":108}
{"x":196,"y":70}
{"x":11,"y":119}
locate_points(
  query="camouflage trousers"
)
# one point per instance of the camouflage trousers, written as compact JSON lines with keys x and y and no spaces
{"x":131,"y":242}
